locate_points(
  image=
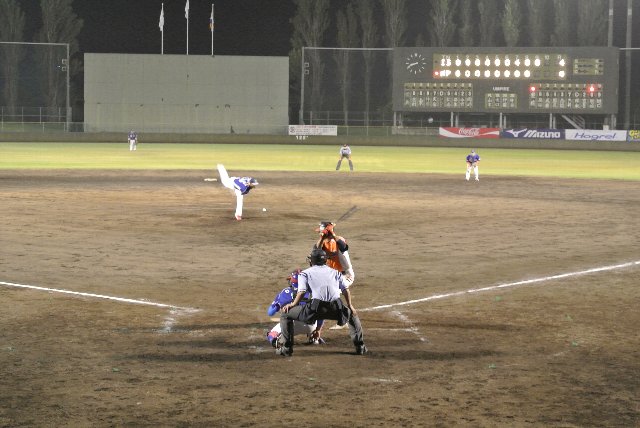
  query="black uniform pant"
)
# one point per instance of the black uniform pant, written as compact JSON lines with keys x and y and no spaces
{"x":321,"y":310}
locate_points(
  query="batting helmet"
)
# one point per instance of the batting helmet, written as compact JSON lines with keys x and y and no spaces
{"x":324,"y":225}
{"x":318,"y":257}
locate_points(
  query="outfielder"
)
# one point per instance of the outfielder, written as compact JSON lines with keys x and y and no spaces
{"x":133,"y":141}
{"x":345,"y":152}
{"x":286,"y":296}
{"x":326,"y":286}
{"x":472,"y":163}
{"x":240,"y":185}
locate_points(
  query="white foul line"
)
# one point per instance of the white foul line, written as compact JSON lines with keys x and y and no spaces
{"x":510,"y":284}
{"x":98,"y":296}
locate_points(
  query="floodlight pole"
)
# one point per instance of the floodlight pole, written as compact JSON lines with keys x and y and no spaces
{"x":627,"y":99}
{"x":68,"y":98}
{"x":302,"y":70}
{"x":610,"y":34}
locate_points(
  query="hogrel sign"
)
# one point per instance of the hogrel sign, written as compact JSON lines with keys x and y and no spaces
{"x":506,"y":80}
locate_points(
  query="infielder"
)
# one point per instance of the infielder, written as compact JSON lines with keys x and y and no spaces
{"x":326,"y":286}
{"x":133,"y":141}
{"x":472,"y":163}
{"x":286,"y":296}
{"x":240,"y":185}
{"x":337,"y":251}
{"x":345,"y":152}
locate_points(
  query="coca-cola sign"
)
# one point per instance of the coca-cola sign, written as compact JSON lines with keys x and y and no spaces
{"x":470,"y":132}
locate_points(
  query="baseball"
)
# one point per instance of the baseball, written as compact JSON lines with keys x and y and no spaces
{"x":264,"y":209}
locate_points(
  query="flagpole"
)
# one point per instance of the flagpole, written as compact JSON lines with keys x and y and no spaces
{"x":212,"y":23}
{"x":186,"y":15}
{"x":162,"y":30}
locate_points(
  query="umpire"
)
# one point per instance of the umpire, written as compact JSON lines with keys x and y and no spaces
{"x":326,"y":286}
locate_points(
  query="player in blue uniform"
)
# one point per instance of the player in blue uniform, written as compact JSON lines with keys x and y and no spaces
{"x":240,"y":185}
{"x":472,"y":163}
{"x":285,"y":297}
{"x":133,"y":141}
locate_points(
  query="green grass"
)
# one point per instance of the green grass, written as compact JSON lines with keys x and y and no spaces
{"x":258,"y":157}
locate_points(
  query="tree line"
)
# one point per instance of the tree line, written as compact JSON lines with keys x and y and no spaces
{"x":59,"y":25}
{"x":333,"y":23}
{"x":444,"y":23}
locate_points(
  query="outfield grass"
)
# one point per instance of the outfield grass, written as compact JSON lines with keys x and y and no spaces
{"x":250,"y":157}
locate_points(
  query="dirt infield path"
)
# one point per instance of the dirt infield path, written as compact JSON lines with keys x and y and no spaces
{"x":554,"y":352}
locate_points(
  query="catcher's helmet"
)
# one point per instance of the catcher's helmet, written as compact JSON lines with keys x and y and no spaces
{"x":293,"y":279}
{"x":318,"y":257}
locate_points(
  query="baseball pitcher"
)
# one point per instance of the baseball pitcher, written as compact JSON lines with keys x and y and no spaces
{"x":240,"y":186}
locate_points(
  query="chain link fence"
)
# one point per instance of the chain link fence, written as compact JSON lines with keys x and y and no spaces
{"x":34,"y":82}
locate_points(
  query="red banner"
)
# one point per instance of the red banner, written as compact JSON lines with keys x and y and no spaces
{"x":470,"y":132}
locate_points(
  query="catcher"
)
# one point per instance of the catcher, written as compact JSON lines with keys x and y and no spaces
{"x":286,"y":296}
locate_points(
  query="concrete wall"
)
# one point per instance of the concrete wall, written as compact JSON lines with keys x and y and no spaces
{"x":185,"y":93}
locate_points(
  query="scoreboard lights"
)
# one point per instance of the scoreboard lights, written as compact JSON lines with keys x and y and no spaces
{"x":506,"y":79}
{"x":500,"y":66}
{"x":578,"y":79}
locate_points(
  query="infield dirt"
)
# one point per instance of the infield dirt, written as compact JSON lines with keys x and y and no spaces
{"x":558,"y":352}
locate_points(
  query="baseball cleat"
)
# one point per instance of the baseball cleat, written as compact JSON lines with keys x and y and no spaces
{"x":284,"y":351}
{"x":238,"y":217}
{"x":361,"y":350}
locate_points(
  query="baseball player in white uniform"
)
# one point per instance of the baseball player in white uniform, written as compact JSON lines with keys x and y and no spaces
{"x":240,"y":186}
{"x":133,"y":141}
{"x":345,"y":153}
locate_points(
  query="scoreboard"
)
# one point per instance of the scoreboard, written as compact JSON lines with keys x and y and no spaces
{"x":577,"y":80}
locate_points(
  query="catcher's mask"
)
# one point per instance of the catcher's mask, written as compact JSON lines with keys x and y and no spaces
{"x":324,"y":225}
{"x":317,"y":257}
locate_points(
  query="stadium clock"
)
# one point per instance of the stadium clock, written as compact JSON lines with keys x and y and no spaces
{"x":416,"y":63}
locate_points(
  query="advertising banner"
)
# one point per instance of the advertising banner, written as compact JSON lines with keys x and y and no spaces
{"x":470,"y":132}
{"x":326,"y":130}
{"x":633,"y":136}
{"x":595,"y":135}
{"x":547,"y":134}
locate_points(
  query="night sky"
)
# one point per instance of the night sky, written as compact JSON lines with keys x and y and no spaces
{"x":242,"y":27}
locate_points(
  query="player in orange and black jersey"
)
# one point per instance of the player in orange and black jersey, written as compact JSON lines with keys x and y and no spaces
{"x":337,"y":250}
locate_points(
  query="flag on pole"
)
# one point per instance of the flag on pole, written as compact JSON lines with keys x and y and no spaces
{"x":186,"y":15}
{"x":161,"y":23}
{"x":211,"y":22}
